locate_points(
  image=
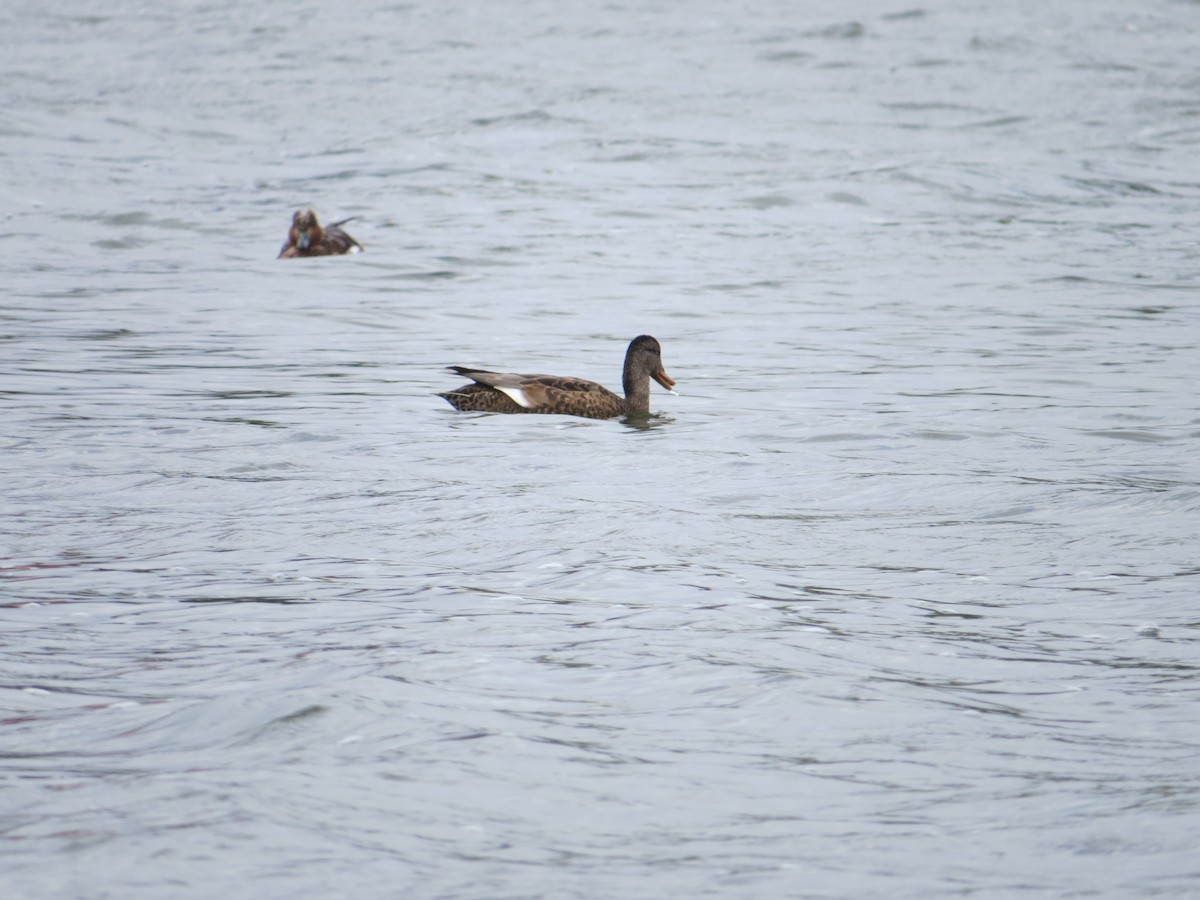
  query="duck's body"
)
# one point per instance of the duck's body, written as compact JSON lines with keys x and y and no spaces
{"x":307,"y":237}
{"x":505,"y":392}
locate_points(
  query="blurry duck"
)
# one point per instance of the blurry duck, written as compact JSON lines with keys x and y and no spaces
{"x":307,"y":238}
{"x":508,"y":393}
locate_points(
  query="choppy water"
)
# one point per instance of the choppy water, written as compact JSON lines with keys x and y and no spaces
{"x":896,"y":599}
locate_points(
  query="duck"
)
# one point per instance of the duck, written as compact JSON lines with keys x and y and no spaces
{"x":503,"y":392}
{"x":306,"y":237}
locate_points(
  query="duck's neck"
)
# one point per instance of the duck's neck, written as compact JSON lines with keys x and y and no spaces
{"x":637,"y":391}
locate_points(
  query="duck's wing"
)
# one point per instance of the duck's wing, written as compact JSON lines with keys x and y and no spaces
{"x":339,"y":241}
{"x":481,"y":398}
{"x":541,"y":392}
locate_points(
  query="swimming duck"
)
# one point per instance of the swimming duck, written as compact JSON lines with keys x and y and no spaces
{"x":507,"y":393}
{"x":307,"y":238}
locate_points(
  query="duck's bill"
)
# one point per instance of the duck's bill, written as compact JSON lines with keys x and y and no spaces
{"x":664,"y":379}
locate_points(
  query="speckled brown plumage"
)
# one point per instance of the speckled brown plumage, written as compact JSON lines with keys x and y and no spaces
{"x":495,"y":391}
{"x":307,"y":237}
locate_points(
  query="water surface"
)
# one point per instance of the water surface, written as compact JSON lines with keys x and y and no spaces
{"x":895,"y":599}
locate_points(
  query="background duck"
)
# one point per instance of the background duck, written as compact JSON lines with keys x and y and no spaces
{"x":306,"y":237}
{"x":504,"y":392}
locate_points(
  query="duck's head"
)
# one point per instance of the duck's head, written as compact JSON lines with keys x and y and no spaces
{"x":306,"y":230}
{"x":645,"y":355}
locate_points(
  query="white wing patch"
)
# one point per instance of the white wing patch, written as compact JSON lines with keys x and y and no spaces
{"x":517,"y":395}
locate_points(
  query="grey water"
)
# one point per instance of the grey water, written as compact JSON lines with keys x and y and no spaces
{"x":896,"y":598}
